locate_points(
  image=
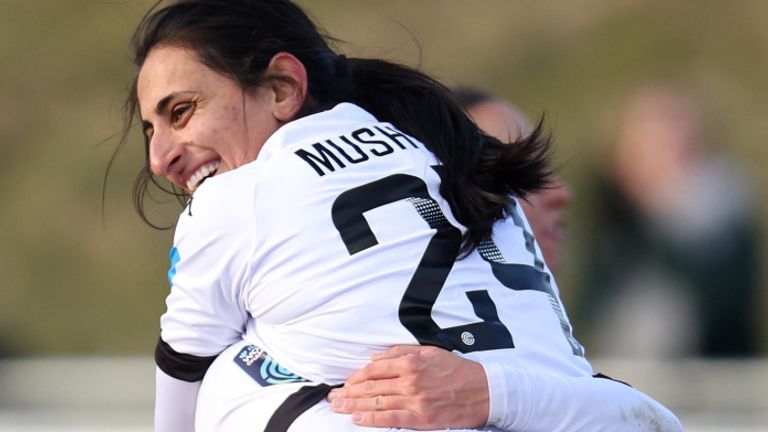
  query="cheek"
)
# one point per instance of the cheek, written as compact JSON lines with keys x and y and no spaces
{"x":232,"y":113}
{"x":532,"y":208}
{"x":547,"y":200}
{"x":229,"y":121}
{"x":533,"y":216}
{"x":226,"y":132}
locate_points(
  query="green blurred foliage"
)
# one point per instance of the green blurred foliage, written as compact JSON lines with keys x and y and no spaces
{"x":82,"y":276}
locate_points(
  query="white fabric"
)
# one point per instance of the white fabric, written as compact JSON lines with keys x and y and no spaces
{"x":175,"y":403}
{"x":229,"y":400}
{"x":540,"y":402}
{"x":261,"y":261}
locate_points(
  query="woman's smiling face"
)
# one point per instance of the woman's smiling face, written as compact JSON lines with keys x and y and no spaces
{"x":198,"y":122}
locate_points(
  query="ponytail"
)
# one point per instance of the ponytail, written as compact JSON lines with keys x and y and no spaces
{"x":238,"y":38}
{"x":479,"y":172}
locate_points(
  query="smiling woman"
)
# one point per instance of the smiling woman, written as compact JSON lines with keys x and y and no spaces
{"x":230,"y":124}
{"x":279,"y":259}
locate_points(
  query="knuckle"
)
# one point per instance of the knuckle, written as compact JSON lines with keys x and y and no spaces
{"x":399,"y":420}
{"x":362,"y":374}
{"x":369,"y":386}
{"x":424,"y":422}
{"x":430,"y":420}
{"x":424,"y":405}
{"x":409,"y":386}
{"x":378,"y":419}
{"x":431,"y":351}
{"x":421,"y":403}
{"x":410,"y":363}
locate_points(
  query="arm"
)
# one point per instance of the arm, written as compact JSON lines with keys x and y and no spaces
{"x":177,"y":381}
{"x":529,"y":401}
{"x":424,"y":387}
{"x":204,"y":312}
{"x":175,"y":402}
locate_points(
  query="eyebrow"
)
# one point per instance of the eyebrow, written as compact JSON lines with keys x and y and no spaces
{"x":163,"y":103}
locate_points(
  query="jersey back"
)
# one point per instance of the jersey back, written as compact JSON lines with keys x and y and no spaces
{"x":350,"y":249}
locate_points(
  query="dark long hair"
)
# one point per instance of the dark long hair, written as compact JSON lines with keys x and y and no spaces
{"x":238,"y":38}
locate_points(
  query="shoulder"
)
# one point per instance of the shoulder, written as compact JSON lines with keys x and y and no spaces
{"x":220,"y":209}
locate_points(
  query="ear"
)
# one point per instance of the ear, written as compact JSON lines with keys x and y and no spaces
{"x":290,"y":88}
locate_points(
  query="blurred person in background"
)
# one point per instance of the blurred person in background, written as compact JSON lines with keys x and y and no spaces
{"x":545,"y":209}
{"x":673,"y":270}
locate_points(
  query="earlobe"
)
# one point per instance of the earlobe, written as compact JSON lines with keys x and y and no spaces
{"x":290,"y":87}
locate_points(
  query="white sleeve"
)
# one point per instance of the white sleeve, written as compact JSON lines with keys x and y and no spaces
{"x":524,"y":401}
{"x":205,"y":312}
{"x":175,"y":402}
{"x":212,"y":247}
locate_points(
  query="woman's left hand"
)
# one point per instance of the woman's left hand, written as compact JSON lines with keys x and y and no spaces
{"x":416,"y":387}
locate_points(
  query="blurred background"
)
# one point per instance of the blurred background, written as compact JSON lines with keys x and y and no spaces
{"x":657,"y":110}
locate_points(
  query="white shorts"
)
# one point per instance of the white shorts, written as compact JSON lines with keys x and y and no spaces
{"x":241,"y":390}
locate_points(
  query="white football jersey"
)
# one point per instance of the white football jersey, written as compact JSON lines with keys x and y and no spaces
{"x":335,"y":243}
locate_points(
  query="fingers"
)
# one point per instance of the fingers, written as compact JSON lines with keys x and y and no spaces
{"x":376,"y":370}
{"x":382,"y":387}
{"x":415,"y":387}
{"x":395,"y":418}
{"x":391,"y":363}
{"x":397,"y":351}
{"x":381,"y":411}
{"x":368,"y":404}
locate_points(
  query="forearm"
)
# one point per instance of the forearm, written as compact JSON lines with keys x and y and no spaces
{"x":177,"y":381}
{"x":526,"y":401}
{"x":175,"y":402}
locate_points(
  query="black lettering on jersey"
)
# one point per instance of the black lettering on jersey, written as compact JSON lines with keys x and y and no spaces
{"x":357,"y":135}
{"x":362,"y":156}
{"x":395,"y":135}
{"x":189,"y":206}
{"x":323,"y":159}
{"x":420,"y":296}
{"x":326,"y":157}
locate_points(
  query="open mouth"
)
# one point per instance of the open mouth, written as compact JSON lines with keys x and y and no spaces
{"x":203,"y":173}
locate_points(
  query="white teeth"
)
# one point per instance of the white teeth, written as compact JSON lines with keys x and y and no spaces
{"x":201,"y":174}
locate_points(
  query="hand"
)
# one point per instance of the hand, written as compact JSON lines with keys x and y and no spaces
{"x":415,"y":387}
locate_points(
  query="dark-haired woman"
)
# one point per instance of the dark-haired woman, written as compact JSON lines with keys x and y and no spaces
{"x":338,"y":207}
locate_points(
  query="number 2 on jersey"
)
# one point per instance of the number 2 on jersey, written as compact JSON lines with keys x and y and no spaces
{"x":415,"y":311}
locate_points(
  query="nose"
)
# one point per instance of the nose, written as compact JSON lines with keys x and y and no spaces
{"x":165,"y":154}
